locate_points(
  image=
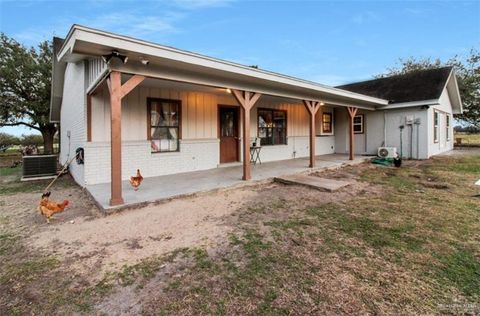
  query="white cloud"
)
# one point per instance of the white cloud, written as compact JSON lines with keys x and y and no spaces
{"x":365,"y":17}
{"x":134,"y":24}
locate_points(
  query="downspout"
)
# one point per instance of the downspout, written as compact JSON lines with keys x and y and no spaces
{"x":384,"y":128}
{"x":417,"y":123}
{"x":411,"y":141}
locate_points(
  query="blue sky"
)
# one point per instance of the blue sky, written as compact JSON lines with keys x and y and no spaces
{"x":331,"y":42}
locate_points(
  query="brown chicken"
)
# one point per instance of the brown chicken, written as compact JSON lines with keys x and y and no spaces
{"x":48,"y":208}
{"x":136,"y":181}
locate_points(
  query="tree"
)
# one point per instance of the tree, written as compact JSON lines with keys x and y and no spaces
{"x":7,"y":140}
{"x":32,"y":139}
{"x":468,"y":77}
{"x":25,"y":81}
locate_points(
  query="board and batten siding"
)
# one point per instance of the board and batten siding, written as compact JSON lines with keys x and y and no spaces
{"x":199,"y":114}
{"x":94,"y":70}
{"x":199,"y":144}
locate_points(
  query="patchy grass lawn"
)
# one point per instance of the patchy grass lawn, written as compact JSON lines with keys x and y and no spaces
{"x":469,"y":139}
{"x":10,"y":182}
{"x":407,"y":243}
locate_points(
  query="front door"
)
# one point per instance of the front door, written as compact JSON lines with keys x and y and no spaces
{"x":228,"y":133}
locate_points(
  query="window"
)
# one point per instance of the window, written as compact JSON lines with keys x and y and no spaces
{"x":358,"y":124}
{"x":272,"y":126}
{"x":435,"y":126}
{"x":164,"y":124}
{"x":447,"y":125}
{"x":327,"y":126}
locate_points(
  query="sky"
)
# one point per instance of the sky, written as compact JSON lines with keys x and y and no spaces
{"x":331,"y":42}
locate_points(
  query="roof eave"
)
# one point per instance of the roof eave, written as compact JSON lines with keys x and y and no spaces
{"x":78,"y":32}
{"x":410,"y":104}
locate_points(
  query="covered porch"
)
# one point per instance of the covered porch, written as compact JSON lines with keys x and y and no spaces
{"x":154,"y":189}
{"x":137,"y":104}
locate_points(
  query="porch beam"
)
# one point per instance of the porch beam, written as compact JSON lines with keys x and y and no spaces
{"x":131,"y":84}
{"x":117,"y":92}
{"x":352,"y":111}
{"x":312,"y":108}
{"x":247,"y":100}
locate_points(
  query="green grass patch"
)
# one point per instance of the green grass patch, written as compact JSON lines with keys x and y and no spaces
{"x":7,"y":171}
{"x":7,"y":243}
{"x":460,"y":269}
{"x":29,"y":269}
{"x":18,"y":186}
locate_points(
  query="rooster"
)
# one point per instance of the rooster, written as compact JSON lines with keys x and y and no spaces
{"x":48,"y":209}
{"x":136,"y":181}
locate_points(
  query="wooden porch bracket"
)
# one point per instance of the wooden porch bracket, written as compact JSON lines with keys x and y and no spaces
{"x":247,"y":100}
{"x":117,"y":92}
{"x":352,"y":111}
{"x":312,"y":108}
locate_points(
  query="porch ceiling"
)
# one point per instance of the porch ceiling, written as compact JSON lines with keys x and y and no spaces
{"x":173,"y":64}
{"x":185,"y":86}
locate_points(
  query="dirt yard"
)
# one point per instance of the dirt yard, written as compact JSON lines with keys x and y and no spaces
{"x":395,"y":241}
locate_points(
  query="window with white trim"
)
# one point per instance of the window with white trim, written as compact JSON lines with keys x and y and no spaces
{"x":272,"y":126}
{"x":358,"y":122}
{"x":436,"y":119}
{"x":164,"y":124}
{"x":327,"y":123}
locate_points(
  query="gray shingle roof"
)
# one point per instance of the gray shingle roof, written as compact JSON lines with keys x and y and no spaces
{"x":414,"y":86}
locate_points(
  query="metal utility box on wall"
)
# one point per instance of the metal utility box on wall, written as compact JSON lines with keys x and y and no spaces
{"x":39,"y":166}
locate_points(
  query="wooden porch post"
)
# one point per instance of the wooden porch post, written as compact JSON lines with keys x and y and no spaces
{"x":312,"y":107}
{"x":117,"y":92}
{"x":247,"y":100}
{"x":352,"y":111}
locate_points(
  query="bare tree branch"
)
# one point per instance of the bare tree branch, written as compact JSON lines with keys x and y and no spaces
{"x":20,"y":123}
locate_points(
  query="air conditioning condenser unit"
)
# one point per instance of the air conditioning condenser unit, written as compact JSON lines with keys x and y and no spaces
{"x":387,"y":152}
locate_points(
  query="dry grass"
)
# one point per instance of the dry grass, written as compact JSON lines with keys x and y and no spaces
{"x":469,"y":139}
{"x":400,"y":241}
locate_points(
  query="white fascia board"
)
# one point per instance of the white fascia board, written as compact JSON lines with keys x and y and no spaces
{"x":458,"y":97}
{"x":458,"y":101}
{"x":409,"y":104}
{"x":199,"y":79}
{"x":146,"y":48}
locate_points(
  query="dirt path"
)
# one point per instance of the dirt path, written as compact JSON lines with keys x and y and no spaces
{"x":85,"y":238}
{"x":124,"y":238}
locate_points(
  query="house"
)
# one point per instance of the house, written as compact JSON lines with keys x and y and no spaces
{"x":127,"y":104}
{"x":429,"y":98}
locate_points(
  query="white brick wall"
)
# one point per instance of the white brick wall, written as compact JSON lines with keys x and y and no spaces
{"x":194,"y":155}
{"x":73,"y":118}
{"x":296,"y":147}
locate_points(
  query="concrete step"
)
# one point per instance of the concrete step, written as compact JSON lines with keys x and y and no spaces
{"x":322,"y":184}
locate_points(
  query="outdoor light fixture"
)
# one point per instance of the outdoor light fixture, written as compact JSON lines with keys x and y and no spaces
{"x":228,"y":90}
{"x":322,"y":103}
{"x":144,"y":61}
{"x":114,"y":53}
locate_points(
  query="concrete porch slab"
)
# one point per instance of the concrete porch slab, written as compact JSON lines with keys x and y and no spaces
{"x":314,"y":182}
{"x":156,"y":189}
